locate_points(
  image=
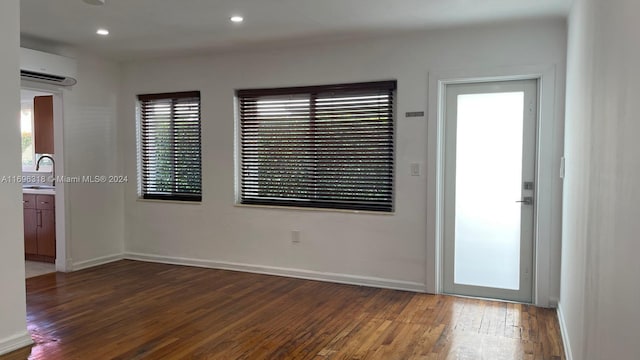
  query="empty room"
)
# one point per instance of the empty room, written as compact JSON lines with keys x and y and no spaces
{"x":305,"y":179}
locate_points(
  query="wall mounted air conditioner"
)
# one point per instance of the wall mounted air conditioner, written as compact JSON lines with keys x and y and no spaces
{"x":47,"y":68}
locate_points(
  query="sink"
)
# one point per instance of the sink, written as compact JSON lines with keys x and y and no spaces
{"x":39,"y":187}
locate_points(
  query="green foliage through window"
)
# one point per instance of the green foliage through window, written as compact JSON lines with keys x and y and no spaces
{"x":320,"y":146}
{"x":170,"y":151}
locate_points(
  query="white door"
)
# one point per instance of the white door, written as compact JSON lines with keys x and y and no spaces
{"x":489,"y":189}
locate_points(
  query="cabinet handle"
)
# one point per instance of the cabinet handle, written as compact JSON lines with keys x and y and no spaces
{"x":39,"y":218}
{"x":44,"y":202}
{"x":25,"y":202}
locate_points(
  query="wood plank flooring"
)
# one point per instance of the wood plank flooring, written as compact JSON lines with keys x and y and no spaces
{"x":135,"y":310}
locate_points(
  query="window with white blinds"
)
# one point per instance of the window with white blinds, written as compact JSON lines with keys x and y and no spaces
{"x":169,"y":146}
{"x":321,"y":146}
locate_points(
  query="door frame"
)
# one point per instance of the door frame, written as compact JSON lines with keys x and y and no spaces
{"x":530,"y":89}
{"x":548,"y":152}
{"x":63,"y":242}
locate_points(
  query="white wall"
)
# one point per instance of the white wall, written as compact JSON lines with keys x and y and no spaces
{"x":576,"y":183}
{"x":382,"y":249}
{"x":91,"y":148}
{"x":600,"y":289}
{"x":13,"y":326}
{"x":94,"y":212}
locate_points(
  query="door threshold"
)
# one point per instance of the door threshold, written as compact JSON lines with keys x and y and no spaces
{"x":489,"y":299}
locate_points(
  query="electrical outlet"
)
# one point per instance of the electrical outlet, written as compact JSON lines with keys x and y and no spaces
{"x":295,"y":237}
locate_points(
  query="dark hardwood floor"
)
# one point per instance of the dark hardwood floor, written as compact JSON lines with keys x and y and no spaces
{"x":135,"y":310}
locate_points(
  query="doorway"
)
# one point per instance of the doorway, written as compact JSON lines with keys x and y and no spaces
{"x":43,"y":192}
{"x":489,"y":189}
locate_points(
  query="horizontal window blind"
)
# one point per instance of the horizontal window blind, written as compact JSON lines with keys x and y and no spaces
{"x":170,"y":146}
{"x":323,"y":147}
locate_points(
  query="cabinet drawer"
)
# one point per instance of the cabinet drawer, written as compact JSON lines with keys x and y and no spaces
{"x":45,"y":202}
{"x":29,"y":201}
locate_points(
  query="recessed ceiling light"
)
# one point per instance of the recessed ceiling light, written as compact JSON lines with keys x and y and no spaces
{"x":94,"y":2}
{"x":103,"y":32}
{"x":237,"y":19}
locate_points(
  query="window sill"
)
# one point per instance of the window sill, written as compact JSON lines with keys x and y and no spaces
{"x":169,"y":201}
{"x":293,"y":208}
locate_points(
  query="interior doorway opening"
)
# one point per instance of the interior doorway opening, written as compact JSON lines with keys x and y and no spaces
{"x":44,"y":210}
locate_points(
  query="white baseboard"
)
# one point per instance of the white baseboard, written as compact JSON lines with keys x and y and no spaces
{"x":287,"y":272}
{"x":95,"y":262}
{"x":15,"y":342}
{"x":565,"y":335}
{"x":63,"y":266}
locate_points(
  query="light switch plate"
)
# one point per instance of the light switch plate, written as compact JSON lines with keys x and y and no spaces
{"x":415,"y":169}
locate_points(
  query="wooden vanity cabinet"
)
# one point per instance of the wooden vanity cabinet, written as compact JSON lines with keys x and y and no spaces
{"x":39,"y":227}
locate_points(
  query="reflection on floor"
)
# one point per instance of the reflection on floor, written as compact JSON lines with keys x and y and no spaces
{"x":136,"y":310}
{"x":33,"y":269}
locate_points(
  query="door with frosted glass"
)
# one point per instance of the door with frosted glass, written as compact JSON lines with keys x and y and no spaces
{"x":489,"y":189}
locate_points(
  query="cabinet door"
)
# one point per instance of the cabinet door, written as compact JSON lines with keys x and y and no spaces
{"x":30,"y":232}
{"x":46,"y":233}
{"x":43,"y":124}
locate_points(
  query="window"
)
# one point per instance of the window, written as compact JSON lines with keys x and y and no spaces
{"x":169,"y":146}
{"x":27,"y":137}
{"x":26,"y":131}
{"x":321,"y":147}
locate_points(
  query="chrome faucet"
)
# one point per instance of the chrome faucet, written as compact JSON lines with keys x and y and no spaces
{"x":53,"y":167}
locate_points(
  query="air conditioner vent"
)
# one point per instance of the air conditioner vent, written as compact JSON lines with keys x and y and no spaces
{"x":47,"y":68}
{"x":51,"y":79}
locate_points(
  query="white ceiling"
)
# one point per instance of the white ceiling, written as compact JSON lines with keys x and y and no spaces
{"x":144,"y":28}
